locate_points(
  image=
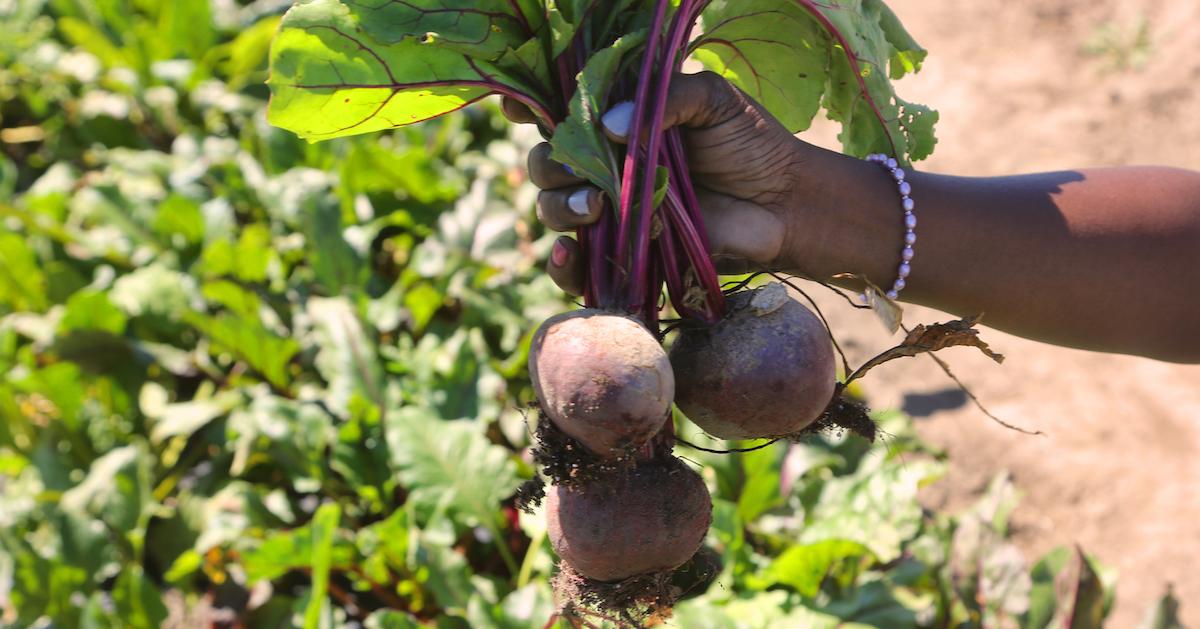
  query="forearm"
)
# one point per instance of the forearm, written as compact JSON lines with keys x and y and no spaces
{"x":1100,"y":259}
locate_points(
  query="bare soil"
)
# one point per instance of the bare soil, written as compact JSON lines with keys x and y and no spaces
{"x":1031,"y":85}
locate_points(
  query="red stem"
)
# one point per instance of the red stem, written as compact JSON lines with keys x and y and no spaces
{"x":599,"y":240}
{"x":683,"y":176}
{"x":686,"y":211}
{"x":698,"y":256}
{"x":629,"y":173}
{"x":675,"y":37}
{"x":671,"y":264}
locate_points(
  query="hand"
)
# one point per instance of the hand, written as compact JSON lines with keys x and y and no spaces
{"x":755,"y":181}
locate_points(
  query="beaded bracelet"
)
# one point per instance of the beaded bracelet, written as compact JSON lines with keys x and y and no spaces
{"x":910,"y":221}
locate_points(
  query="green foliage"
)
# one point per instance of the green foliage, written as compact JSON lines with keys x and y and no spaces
{"x":420,"y":61}
{"x":578,"y":141}
{"x":344,"y":67}
{"x":241,"y":374}
{"x":783,"y":56}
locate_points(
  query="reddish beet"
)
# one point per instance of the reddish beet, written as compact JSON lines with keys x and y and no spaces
{"x":602,"y":379}
{"x":650,"y":519}
{"x":766,"y":370}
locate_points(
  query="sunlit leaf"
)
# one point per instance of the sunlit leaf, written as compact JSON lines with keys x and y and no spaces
{"x":346,"y":356}
{"x":116,"y":489}
{"x":876,"y":506}
{"x":324,"y":527}
{"x":138,"y":602}
{"x":449,"y":464}
{"x":22,"y":284}
{"x":390,"y":619}
{"x":804,"y":568}
{"x":247,"y":339}
{"x":318,"y":65}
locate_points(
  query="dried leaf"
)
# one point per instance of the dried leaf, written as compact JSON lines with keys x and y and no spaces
{"x":888,"y":311}
{"x":924,"y":339}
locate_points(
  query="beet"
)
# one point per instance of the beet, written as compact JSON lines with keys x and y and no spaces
{"x":766,"y":370}
{"x":602,"y":379}
{"x":650,"y":519}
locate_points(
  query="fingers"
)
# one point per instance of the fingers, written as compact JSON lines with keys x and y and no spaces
{"x":740,"y":233}
{"x":566,"y":266}
{"x":616,"y":121}
{"x":702,"y":100}
{"x":565,"y":209}
{"x":548,"y":174}
{"x":515,"y":111}
{"x":693,"y":100}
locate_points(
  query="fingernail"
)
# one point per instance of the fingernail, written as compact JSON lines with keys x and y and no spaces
{"x":558,"y":254}
{"x":616,"y":120}
{"x":569,"y":170}
{"x":578,"y":202}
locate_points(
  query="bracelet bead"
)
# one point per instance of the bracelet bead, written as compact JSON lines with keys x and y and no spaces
{"x":910,"y":221}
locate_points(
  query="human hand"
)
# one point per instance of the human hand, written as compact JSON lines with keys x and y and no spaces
{"x":762,"y":191}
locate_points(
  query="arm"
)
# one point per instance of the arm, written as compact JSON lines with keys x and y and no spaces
{"x":1104,"y":259}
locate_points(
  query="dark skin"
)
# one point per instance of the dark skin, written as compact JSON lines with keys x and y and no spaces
{"x":1103,"y":259}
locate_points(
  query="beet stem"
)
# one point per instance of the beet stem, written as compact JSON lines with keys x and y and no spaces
{"x":675,"y":38}
{"x":628,"y":179}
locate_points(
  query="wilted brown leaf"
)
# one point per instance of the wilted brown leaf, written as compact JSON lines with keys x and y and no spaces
{"x":931,"y":338}
{"x":888,"y":311}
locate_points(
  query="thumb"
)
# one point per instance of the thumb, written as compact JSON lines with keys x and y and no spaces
{"x":693,"y":100}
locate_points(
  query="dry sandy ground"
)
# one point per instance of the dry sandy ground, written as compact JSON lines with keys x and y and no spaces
{"x":1119,"y":469}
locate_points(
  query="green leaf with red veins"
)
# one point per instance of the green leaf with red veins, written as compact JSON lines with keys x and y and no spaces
{"x":330,"y":77}
{"x":578,"y":141}
{"x":563,"y":17}
{"x":907,"y":54}
{"x":917,"y":123}
{"x":773,"y":50}
{"x":528,"y":62}
{"x":786,"y":54}
{"x":480,"y":28}
{"x":881,"y":48}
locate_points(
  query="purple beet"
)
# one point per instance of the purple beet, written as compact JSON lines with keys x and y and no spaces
{"x":765,"y":370}
{"x":650,"y":519}
{"x":602,"y":379}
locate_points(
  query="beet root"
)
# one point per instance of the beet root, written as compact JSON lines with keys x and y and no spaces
{"x":651,"y":519}
{"x":766,"y":370}
{"x":603,"y":379}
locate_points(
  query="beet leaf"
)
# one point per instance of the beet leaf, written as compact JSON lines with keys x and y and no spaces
{"x":791,"y":55}
{"x":332,"y":76}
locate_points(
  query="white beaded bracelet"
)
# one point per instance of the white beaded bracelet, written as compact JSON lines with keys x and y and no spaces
{"x":910,"y":221}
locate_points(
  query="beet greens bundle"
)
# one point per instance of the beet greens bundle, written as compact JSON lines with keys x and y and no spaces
{"x":626,"y":518}
{"x":343,"y":67}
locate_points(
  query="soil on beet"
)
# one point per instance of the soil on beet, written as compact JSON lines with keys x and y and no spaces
{"x":844,"y":413}
{"x":640,"y":600}
{"x":565,"y":462}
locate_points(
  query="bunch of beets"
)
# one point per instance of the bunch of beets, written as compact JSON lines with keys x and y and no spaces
{"x":766,"y":369}
{"x":624,"y":513}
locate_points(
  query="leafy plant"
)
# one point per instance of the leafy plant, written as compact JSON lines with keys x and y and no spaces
{"x":346,"y":67}
{"x":235,"y":367}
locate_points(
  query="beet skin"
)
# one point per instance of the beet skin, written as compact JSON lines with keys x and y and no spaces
{"x":602,"y":379}
{"x":766,"y":370}
{"x":650,"y":519}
